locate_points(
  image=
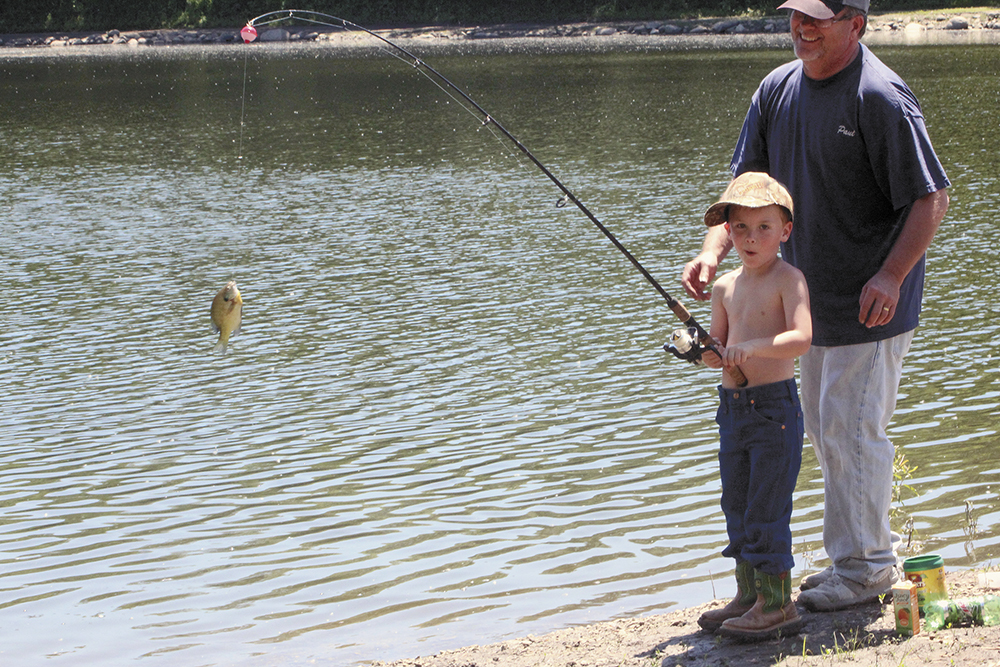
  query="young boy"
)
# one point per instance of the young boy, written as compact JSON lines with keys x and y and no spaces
{"x":761,"y":321}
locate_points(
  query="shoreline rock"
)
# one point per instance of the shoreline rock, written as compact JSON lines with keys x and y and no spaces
{"x":887,"y":23}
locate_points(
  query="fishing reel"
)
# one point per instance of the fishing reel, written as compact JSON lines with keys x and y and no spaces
{"x":684,"y":344}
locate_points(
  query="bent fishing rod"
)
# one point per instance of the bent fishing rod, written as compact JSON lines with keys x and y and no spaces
{"x":687,"y":344}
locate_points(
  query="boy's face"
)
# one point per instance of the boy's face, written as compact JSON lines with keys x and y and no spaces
{"x":757,"y":233}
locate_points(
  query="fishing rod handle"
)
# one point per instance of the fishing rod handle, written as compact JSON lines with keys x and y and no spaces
{"x":687,"y":318}
{"x":734,"y":372}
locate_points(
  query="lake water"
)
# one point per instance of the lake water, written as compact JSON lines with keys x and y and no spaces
{"x":448,"y":419}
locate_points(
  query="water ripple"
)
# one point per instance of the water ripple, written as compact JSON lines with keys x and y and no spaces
{"x":448,"y":409}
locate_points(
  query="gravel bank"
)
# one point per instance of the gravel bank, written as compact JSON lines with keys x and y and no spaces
{"x":887,"y":23}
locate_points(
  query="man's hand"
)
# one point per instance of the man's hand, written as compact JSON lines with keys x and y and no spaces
{"x":878,"y":300}
{"x":698,"y":274}
{"x":881,"y":294}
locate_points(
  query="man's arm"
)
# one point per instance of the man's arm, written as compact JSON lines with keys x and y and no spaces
{"x":700,"y":271}
{"x":881,"y":294}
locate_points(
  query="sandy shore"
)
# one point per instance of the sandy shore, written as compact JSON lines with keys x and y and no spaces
{"x":864,"y":635}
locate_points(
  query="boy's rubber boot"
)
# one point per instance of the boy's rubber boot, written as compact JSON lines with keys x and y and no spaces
{"x":746,"y":597}
{"x":772,"y":614}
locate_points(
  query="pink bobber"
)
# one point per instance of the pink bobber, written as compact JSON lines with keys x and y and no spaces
{"x":248,"y":33}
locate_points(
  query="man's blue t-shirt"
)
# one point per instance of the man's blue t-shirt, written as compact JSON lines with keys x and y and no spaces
{"x":854,"y":153}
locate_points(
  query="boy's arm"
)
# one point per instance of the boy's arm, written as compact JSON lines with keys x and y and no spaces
{"x":719,"y":328}
{"x":789,"y":344}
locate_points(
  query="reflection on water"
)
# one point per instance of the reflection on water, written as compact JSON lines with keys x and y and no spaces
{"x":447,"y":419}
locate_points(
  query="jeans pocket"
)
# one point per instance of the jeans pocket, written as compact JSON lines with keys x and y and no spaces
{"x":777,"y":414}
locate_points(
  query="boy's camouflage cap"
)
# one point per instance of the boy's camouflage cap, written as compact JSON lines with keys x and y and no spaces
{"x":752,"y":189}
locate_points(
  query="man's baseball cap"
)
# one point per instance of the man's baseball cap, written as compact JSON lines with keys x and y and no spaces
{"x":752,"y":189}
{"x":824,"y":9}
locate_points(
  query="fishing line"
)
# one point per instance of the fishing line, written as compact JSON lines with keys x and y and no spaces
{"x":243,"y":106}
{"x":697,"y":338}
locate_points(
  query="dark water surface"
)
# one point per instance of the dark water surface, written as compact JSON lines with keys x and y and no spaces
{"x":448,"y":419}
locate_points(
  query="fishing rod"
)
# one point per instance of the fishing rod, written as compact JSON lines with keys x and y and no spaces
{"x":687,"y":344}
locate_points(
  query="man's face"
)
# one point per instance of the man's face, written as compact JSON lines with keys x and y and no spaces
{"x":825,"y":46}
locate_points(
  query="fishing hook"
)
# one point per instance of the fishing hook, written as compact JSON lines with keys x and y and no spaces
{"x":676,"y":306}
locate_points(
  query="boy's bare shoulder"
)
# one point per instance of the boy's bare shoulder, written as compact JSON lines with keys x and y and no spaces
{"x":787,"y":272}
{"x":727,"y":279}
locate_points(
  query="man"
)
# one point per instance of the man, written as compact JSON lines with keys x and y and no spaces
{"x":846,"y":135}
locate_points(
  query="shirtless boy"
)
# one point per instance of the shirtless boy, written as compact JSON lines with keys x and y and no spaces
{"x":761,"y":321}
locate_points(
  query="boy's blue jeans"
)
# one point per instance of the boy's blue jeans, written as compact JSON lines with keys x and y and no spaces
{"x":760,"y":453}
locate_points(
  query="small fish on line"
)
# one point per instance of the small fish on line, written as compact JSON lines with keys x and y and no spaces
{"x":227,"y":314}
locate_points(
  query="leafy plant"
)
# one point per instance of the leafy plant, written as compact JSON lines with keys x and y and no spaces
{"x":901,"y":472}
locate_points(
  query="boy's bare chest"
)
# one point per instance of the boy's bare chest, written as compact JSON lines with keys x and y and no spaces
{"x":755,"y":310}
